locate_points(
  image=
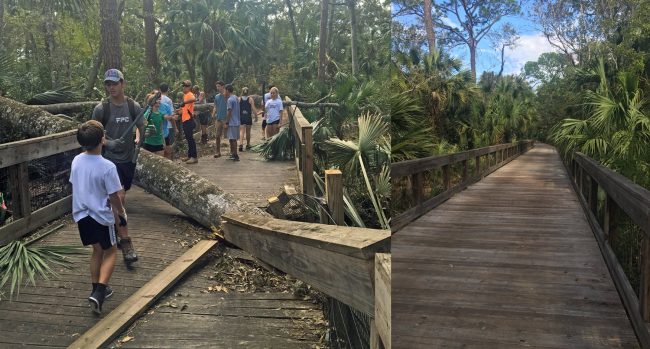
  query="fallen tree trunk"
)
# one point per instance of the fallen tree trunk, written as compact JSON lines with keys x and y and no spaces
{"x":193,"y":195}
{"x":19,"y":121}
{"x":62,"y":108}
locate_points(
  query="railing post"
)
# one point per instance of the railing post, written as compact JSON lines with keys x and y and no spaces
{"x":580,"y":180}
{"x":19,"y":188}
{"x":334,"y":195}
{"x":417,"y":187}
{"x":465,"y":170}
{"x":446,"y":180}
{"x":478,"y":165}
{"x":593,"y":196}
{"x":644,"y":292}
{"x":308,"y":162}
{"x":609,"y":219}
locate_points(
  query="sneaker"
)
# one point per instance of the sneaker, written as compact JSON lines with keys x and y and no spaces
{"x":96,"y":300}
{"x":216,"y":156}
{"x":127,"y":250}
{"x":192,"y":161}
{"x":184,"y":159}
{"x":231,"y":157}
{"x":109,"y":293}
{"x":241,"y":147}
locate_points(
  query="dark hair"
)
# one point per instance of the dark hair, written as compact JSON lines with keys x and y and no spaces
{"x":89,"y":134}
{"x":271,"y":86}
{"x":229,"y":88}
{"x":187,"y":83}
{"x":220,"y":83}
{"x":164,"y":87}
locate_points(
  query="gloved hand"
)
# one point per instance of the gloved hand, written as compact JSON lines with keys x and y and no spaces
{"x":181,"y":104}
{"x":115,"y":145}
{"x":122,"y":217}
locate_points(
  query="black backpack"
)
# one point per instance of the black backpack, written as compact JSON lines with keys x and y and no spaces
{"x":106,"y":106}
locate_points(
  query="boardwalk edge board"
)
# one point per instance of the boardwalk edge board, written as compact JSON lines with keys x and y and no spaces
{"x":110,"y":327}
{"x":328,"y":257}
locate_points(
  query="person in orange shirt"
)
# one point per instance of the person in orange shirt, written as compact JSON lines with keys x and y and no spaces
{"x":187,"y":120}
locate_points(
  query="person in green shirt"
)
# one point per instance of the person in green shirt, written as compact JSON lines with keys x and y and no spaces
{"x":154,"y":140}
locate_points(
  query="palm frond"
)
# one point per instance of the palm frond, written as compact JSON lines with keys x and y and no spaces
{"x":19,"y":260}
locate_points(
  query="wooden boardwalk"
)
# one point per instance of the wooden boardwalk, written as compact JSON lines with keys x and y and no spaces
{"x":55,"y":313}
{"x":509,"y":262}
{"x":253,"y":179}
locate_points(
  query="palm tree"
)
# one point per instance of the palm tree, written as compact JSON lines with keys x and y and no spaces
{"x":617,"y":129}
{"x":364,"y":159}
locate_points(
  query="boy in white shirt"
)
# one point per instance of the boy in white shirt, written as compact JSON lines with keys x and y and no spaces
{"x":96,"y":207}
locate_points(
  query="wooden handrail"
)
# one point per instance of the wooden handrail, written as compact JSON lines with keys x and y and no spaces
{"x":337,"y":260}
{"x":35,"y":148}
{"x":14,"y":157}
{"x":415,"y":169}
{"x":621,"y":195}
{"x":302,"y":130}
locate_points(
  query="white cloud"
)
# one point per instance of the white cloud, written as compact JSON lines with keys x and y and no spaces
{"x":529,"y":48}
{"x":449,"y":22}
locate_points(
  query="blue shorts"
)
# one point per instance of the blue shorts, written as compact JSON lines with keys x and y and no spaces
{"x":233,"y":132}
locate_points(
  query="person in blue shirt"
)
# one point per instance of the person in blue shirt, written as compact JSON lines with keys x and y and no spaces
{"x":220,"y":111}
{"x":232,"y":121}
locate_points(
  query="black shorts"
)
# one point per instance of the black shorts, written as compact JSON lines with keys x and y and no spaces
{"x":276,"y":122}
{"x":246,"y":120}
{"x":91,"y":232}
{"x":126,"y":171}
{"x":204,"y":119}
{"x":263,"y":124}
{"x":153,"y":148}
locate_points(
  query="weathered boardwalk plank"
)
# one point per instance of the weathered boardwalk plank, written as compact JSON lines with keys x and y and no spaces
{"x":509,"y":262}
{"x":252,"y":179}
{"x":200,"y":319}
{"x":55,"y":313}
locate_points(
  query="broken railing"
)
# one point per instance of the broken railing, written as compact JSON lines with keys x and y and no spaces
{"x":432,"y":180}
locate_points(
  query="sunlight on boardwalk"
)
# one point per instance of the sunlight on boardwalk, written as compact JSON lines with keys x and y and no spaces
{"x":509,"y":262}
{"x":252,"y":179}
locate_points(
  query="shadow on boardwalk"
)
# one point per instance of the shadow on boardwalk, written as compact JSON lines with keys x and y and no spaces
{"x":55,"y":313}
{"x":509,"y":262}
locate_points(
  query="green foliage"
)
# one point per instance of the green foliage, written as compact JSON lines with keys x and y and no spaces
{"x":22,"y":263}
{"x":617,"y":129}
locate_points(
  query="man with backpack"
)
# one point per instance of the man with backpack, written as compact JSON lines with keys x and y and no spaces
{"x":117,"y":114}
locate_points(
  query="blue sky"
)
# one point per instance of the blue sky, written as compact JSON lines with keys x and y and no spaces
{"x":529,"y":47}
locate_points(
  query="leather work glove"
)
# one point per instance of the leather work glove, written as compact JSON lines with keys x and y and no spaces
{"x":115,"y":145}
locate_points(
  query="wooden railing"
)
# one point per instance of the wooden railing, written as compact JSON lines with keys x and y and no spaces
{"x":484,"y":160}
{"x":303,"y":147}
{"x":620,"y":196}
{"x":14,"y":157}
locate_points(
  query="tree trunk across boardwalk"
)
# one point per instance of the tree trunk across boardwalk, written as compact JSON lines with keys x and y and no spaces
{"x":180,"y":187}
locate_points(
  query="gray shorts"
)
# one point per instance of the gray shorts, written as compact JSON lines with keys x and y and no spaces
{"x":233,"y":132}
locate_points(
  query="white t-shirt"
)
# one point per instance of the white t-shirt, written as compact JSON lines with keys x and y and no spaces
{"x":273,"y":109}
{"x":93,"y":178}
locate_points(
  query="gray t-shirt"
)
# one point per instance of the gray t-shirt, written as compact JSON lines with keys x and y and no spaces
{"x":233,"y":104}
{"x":118,"y":121}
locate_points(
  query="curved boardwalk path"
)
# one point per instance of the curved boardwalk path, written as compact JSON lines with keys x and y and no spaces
{"x":509,"y":262}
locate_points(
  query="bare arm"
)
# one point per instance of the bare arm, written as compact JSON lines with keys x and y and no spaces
{"x":251,"y":101}
{"x":118,"y":209}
